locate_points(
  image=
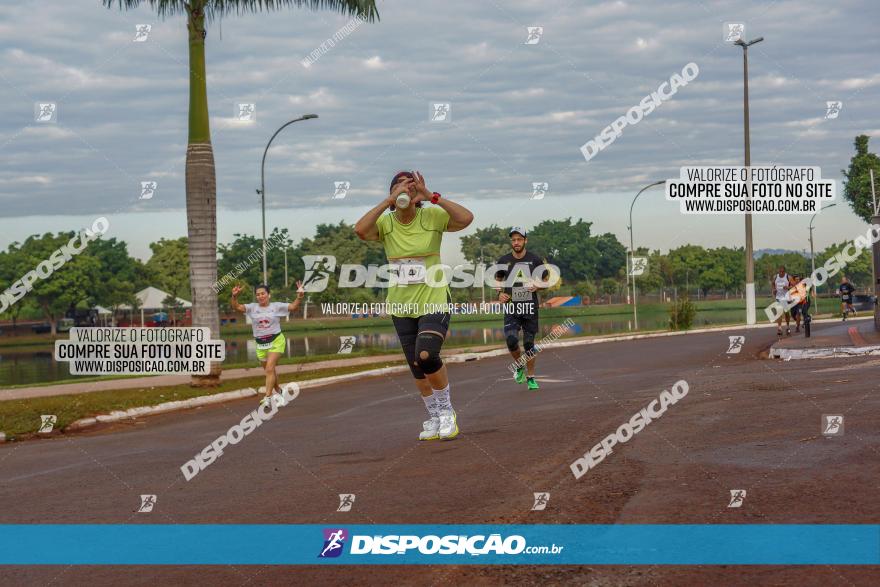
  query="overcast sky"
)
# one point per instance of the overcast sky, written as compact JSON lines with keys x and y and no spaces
{"x":519,"y":112}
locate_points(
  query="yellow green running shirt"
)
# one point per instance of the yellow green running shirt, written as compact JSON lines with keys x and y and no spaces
{"x":415,"y":244}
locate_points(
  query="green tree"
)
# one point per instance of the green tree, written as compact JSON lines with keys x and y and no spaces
{"x":610,"y":286}
{"x":612,"y":256}
{"x":585,"y":289}
{"x":857,"y":185}
{"x":67,"y":285}
{"x":242,"y":259}
{"x":766,"y":266}
{"x":12,"y":267}
{"x":201,"y":185}
{"x":687,"y":263}
{"x":568,"y":245}
{"x":652,"y":278}
{"x":494,"y":240}
{"x":168,"y":267}
{"x":120,"y":275}
{"x":338,"y":240}
{"x":859,"y":270}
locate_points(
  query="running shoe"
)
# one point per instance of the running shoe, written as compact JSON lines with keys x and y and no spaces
{"x":532,"y":383}
{"x":520,"y":375}
{"x":430,"y":429}
{"x":448,"y":424}
{"x":265,"y":400}
{"x":788,"y":331}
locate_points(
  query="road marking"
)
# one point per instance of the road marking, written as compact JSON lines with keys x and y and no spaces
{"x":856,"y":337}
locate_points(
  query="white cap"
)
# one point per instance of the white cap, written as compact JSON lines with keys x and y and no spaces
{"x":518,"y":229}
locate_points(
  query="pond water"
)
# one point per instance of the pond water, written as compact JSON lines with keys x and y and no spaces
{"x":36,"y":364}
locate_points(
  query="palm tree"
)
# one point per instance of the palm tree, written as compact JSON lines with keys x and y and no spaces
{"x":201,"y":186}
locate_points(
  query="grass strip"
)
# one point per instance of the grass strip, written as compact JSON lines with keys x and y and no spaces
{"x":22,"y":416}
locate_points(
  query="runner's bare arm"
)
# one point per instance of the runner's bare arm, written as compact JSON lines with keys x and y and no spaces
{"x":300,"y":294}
{"x":235,"y":305}
{"x":459,"y":216}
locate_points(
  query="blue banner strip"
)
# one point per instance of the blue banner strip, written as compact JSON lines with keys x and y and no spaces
{"x":252,"y":544}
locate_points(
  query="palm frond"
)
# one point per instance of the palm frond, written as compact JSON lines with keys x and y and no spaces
{"x":366,"y":9}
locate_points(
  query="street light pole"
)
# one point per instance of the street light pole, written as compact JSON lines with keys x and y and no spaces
{"x":262,"y":190}
{"x":632,"y":250}
{"x":750,"y":255}
{"x":812,"y":254}
{"x":483,"y":273}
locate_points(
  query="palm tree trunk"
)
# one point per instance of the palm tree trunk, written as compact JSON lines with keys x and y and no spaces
{"x":201,"y":193}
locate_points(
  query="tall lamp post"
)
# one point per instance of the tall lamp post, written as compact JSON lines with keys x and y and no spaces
{"x":750,"y":256}
{"x":262,"y":190}
{"x":483,"y":284}
{"x":632,"y":250}
{"x":812,"y":254}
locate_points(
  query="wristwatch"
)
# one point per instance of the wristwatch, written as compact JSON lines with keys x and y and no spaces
{"x":435,"y":198}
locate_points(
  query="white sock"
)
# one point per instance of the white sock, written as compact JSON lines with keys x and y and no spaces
{"x":441,"y":398}
{"x":430,"y":405}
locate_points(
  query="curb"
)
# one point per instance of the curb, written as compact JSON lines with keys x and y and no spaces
{"x":216,"y":398}
{"x":824,"y":353}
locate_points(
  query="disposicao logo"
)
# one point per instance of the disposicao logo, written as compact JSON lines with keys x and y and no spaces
{"x":334,"y":542}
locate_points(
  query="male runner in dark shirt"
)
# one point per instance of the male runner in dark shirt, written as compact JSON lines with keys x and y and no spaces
{"x":520,"y":298}
{"x":846,"y":290}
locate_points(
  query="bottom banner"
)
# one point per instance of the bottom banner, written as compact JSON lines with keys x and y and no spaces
{"x":631,"y":544}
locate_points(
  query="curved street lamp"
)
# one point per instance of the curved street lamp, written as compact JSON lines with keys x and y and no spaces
{"x":632,"y":250}
{"x":262,"y":190}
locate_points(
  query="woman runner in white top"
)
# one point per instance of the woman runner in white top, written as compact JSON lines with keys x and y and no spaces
{"x":781,"y":283}
{"x":265,"y":318}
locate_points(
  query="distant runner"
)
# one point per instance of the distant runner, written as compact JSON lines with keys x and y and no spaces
{"x":265,"y":318}
{"x":519,"y":294}
{"x":845,"y":290}
{"x":412,"y":236}
{"x":780,"y":283}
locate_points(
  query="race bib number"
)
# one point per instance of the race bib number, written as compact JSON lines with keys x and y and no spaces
{"x":520,"y":294}
{"x":264,"y":346}
{"x":410,"y":271}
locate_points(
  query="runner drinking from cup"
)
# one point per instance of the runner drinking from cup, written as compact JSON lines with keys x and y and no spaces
{"x":265,"y":318}
{"x":519,"y":296}
{"x":411,"y":235}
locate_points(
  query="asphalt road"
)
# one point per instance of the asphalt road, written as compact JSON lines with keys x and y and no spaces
{"x":746,"y":423}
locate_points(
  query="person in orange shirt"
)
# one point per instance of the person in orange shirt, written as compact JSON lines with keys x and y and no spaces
{"x":799,"y":293}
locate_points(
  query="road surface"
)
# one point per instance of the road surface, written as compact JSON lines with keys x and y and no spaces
{"x":747,"y":423}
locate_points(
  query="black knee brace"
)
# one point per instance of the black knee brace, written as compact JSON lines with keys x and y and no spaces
{"x":512,"y":343}
{"x":408,"y":343}
{"x":428,"y":352}
{"x":529,"y":342}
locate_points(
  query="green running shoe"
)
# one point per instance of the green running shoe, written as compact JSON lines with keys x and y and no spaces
{"x":520,"y":375}
{"x":532,"y":383}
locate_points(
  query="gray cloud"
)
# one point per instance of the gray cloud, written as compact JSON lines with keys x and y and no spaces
{"x":520,"y":112}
